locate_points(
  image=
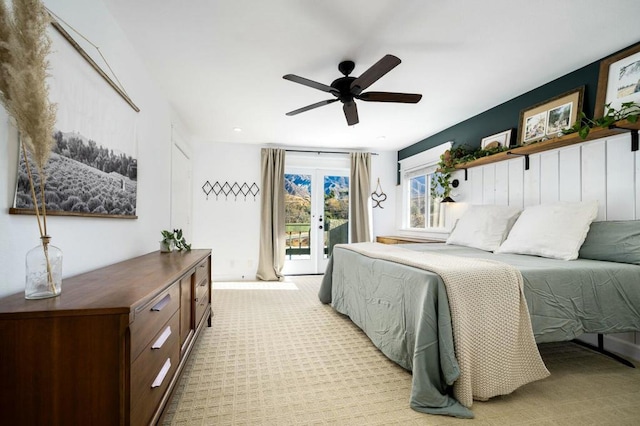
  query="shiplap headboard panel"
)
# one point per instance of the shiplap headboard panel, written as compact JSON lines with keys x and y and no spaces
{"x":605,"y":170}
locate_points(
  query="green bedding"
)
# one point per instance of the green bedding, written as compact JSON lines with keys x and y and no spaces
{"x":405,"y":311}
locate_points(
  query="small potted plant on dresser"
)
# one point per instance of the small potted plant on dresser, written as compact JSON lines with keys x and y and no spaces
{"x":173,"y":240}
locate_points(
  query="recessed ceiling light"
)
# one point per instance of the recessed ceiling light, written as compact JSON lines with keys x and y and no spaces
{"x":237,"y":129}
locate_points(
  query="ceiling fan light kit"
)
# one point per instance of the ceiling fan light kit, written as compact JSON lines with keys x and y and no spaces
{"x":346,"y":89}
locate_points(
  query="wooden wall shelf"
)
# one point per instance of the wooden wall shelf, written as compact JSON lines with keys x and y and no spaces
{"x":562,"y":141}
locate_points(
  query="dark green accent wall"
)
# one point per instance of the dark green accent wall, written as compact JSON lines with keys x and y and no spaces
{"x":506,"y":116}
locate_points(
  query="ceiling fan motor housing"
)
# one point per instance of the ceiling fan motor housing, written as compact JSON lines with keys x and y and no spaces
{"x":343,"y":85}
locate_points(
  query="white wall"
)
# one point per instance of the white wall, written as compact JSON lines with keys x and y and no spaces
{"x":181,"y":185}
{"x":384,"y":167}
{"x":231,"y":228}
{"x":89,"y":243}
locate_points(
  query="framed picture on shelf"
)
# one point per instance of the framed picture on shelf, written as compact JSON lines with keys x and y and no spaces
{"x":619,"y":80}
{"x":546,"y":119}
{"x":502,"y":139}
{"x":558,"y":119}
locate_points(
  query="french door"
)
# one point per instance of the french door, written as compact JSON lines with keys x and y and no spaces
{"x":316,"y":218}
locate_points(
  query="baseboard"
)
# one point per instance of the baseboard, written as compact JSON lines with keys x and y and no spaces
{"x":233,"y":277}
{"x":615,"y":344}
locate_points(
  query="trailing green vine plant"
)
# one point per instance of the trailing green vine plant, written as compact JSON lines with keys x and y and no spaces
{"x":628,"y":110}
{"x":441,"y":183}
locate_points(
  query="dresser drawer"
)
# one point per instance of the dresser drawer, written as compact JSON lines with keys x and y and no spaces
{"x":153,"y":316}
{"x":202,"y":271}
{"x":202,"y":304}
{"x":152,"y":371}
{"x":201,"y":290}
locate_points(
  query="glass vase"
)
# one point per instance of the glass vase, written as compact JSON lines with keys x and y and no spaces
{"x":43,"y":271}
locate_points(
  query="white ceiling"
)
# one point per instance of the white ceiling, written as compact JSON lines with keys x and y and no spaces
{"x":220,"y":63}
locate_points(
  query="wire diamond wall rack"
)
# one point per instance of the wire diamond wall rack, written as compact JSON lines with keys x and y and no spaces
{"x":227,"y":189}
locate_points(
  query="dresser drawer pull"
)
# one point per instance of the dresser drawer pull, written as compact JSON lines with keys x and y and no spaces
{"x":161,"y":375}
{"x":163,"y":338}
{"x":161,"y":304}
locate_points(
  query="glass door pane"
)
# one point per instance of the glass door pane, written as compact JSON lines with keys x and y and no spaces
{"x":297,"y":216}
{"x":417,"y":201}
{"x":336,"y":212}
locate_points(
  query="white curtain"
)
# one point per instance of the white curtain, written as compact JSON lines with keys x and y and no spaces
{"x":272,"y":229}
{"x":360,"y":196}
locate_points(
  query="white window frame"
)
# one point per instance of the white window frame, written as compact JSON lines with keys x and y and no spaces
{"x":425,"y":162}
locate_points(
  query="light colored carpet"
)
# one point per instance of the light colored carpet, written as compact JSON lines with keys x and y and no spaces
{"x":280,"y":357}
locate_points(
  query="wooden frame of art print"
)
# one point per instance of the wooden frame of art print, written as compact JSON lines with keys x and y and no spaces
{"x":503,"y":139}
{"x":619,"y":80}
{"x":545,"y":120}
{"x":92,"y":170}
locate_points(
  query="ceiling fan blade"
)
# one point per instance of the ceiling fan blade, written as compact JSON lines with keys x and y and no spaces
{"x":311,"y":83}
{"x":406,"y":98}
{"x":377,"y":70}
{"x":350,"y":112}
{"x":312,"y":106}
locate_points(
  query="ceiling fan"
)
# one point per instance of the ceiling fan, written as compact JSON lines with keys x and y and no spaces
{"x":346,"y":89}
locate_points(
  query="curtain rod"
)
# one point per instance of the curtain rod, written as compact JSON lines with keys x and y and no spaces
{"x":322,"y":152}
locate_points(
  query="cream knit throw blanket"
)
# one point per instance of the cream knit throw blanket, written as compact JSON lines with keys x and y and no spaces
{"x":493,"y":339}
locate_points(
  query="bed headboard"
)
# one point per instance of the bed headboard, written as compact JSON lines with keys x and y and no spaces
{"x":605,"y":170}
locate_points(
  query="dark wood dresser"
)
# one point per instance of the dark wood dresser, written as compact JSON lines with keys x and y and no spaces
{"x":109,"y":350}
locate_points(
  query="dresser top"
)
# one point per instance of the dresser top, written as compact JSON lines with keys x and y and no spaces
{"x":112,"y":289}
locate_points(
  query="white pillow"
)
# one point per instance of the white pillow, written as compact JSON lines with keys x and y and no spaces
{"x":552,"y":230}
{"x":484,"y":227}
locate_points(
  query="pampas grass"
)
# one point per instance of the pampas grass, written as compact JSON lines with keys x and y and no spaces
{"x":24,"y":47}
{"x":4,"y":53}
{"x":23,"y":55}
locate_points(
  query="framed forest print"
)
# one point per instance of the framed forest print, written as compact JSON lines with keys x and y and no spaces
{"x":92,"y":170}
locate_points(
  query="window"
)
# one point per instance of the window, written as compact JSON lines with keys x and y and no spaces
{"x":422,"y":208}
{"x":417,"y":201}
